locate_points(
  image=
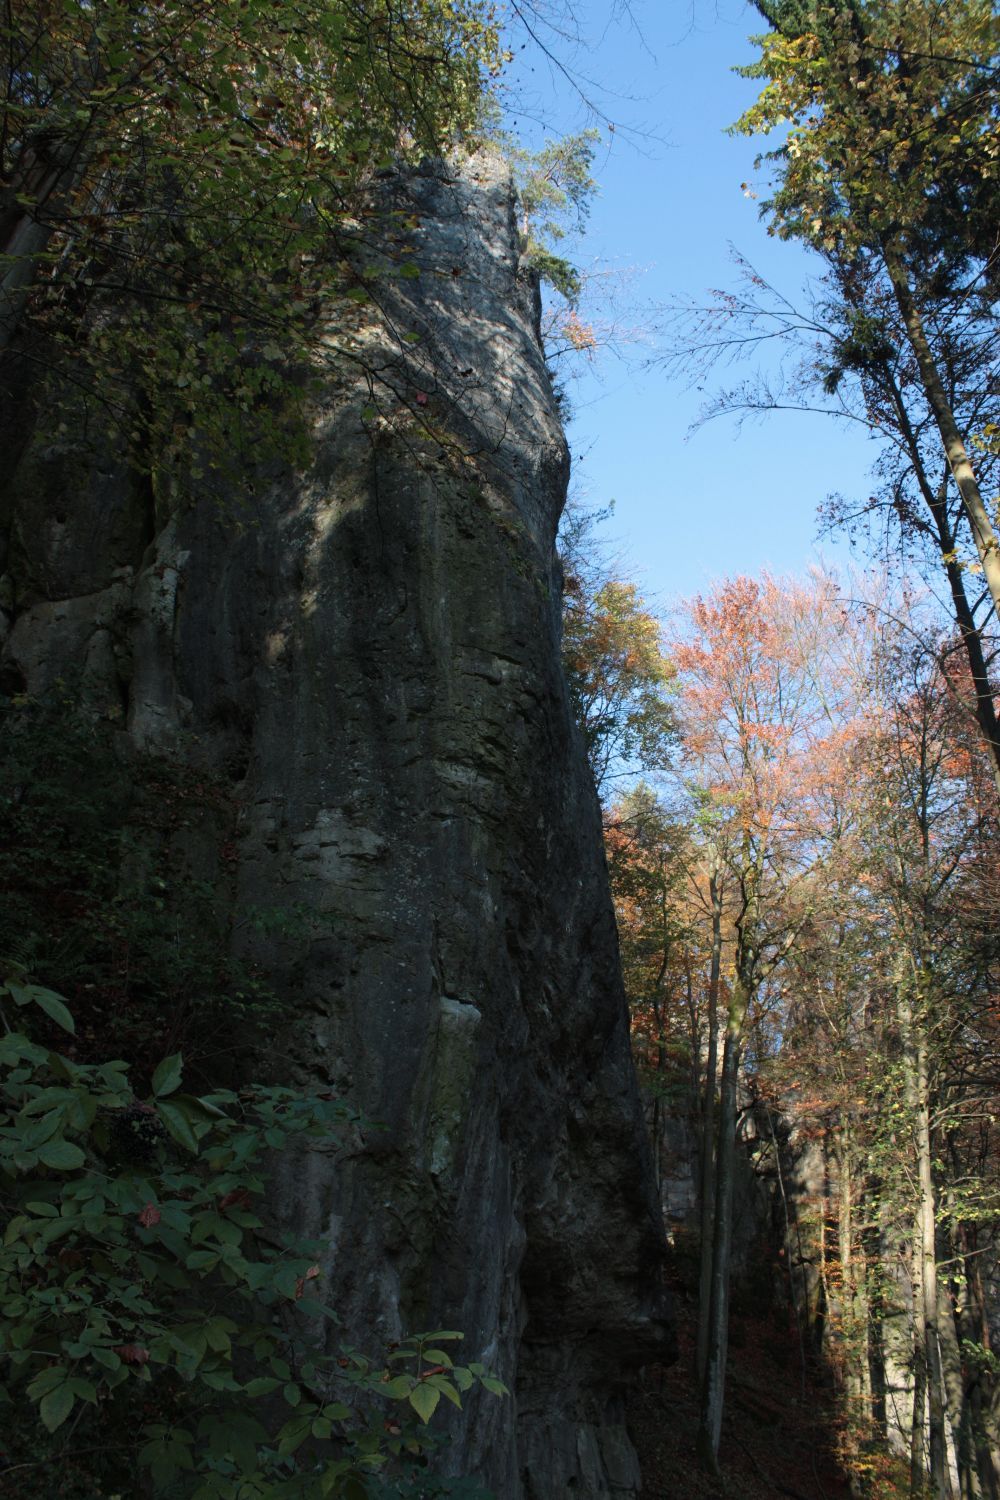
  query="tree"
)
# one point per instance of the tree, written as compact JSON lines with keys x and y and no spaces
{"x":620,"y":679}
{"x":889,"y":170}
{"x":649,"y":850}
{"x":883,"y":1065}
{"x":555,"y":187}
{"x":180,"y":183}
{"x":762,"y":728}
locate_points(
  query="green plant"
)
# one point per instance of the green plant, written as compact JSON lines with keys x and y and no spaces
{"x":149,"y":1316}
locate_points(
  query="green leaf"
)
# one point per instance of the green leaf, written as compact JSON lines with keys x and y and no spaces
{"x":167,"y":1077}
{"x":262,"y":1386}
{"x":424,"y":1400}
{"x":497,"y":1387}
{"x":178,"y":1125}
{"x":46,"y":1381}
{"x":52,"y":1004}
{"x":56,"y":1407}
{"x":55,"y":1007}
{"x":338,"y":1412}
{"x":294,"y":1434}
{"x":62,"y":1155}
{"x":446,"y":1388}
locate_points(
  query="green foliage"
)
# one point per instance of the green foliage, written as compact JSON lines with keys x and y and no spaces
{"x":620,"y":681}
{"x":181,"y":182}
{"x":890,"y":129}
{"x":150,"y":1318}
{"x":556,"y":187}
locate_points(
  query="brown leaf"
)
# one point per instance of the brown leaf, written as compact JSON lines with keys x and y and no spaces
{"x":131,"y":1354}
{"x":149,"y":1216}
{"x":300,"y":1285}
{"x":237,"y":1198}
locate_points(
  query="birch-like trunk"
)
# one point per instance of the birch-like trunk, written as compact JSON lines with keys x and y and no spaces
{"x":708,"y":1145}
{"x":917,"y":1092}
{"x":714,"y":1382}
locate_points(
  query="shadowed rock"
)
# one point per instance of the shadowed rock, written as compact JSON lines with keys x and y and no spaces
{"x":370,"y":650}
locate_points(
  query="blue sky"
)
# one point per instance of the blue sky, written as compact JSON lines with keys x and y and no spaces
{"x":688,"y":509}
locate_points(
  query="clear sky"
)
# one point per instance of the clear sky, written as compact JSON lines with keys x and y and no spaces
{"x":688,"y":509}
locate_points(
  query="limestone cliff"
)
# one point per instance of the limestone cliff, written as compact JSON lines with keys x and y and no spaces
{"x":368,"y":651}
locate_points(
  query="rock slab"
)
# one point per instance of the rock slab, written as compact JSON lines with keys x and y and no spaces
{"x":369,"y":651}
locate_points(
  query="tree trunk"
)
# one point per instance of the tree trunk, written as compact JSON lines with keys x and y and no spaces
{"x":959,"y":1416}
{"x":46,"y":180}
{"x":972,"y":639}
{"x":707,"y":1162}
{"x":987,"y":545}
{"x":917,"y":1088}
{"x":985,"y":1414}
{"x":918,"y":1465}
{"x":940,"y":1481}
{"x":853,"y":1299}
{"x":713,"y":1384}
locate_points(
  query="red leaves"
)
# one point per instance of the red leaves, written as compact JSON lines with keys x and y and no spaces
{"x":149,"y":1216}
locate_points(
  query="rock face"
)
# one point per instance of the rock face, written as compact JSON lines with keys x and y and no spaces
{"x":369,"y":652}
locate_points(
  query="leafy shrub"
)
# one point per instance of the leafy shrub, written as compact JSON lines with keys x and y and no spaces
{"x":151,"y":1321}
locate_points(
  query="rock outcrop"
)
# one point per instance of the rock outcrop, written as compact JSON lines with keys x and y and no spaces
{"x":369,"y":653}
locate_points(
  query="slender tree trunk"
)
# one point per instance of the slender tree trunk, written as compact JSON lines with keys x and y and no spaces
{"x":854,"y":1309}
{"x":972,"y":639}
{"x":940,"y":1480}
{"x":984,"y":535}
{"x":959,"y":1416}
{"x":985,"y":1423}
{"x":714,"y":1382}
{"x":872,"y":1250}
{"x":46,"y":181}
{"x":918,"y":1462}
{"x":707,"y":1161}
{"x":915,"y":1066}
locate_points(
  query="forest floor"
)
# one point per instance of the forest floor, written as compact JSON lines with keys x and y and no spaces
{"x":779,"y":1431}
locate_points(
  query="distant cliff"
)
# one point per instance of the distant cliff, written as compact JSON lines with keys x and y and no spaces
{"x":367,"y":654}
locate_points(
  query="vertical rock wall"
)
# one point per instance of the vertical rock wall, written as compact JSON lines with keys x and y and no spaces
{"x":369,"y":652}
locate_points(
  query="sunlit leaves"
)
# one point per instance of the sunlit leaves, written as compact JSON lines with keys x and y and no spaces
{"x":183,"y":172}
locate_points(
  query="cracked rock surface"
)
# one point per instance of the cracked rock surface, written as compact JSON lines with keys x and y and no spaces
{"x":370,"y":652}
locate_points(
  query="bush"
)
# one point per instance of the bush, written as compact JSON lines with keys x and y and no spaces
{"x":149,"y":1319}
